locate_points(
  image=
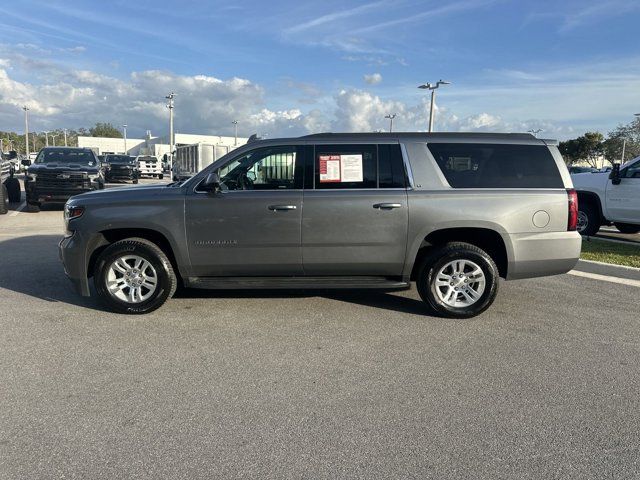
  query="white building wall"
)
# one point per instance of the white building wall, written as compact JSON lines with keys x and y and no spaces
{"x":110,"y":145}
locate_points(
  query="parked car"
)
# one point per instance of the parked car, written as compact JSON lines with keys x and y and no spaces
{"x":121,"y":167}
{"x":149,"y":166}
{"x":61,"y":172}
{"x":454,"y":212}
{"x":610,"y":197}
{"x":575,"y":169}
{"x":9,"y":185}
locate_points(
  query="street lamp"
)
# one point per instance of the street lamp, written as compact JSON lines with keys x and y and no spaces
{"x":170,"y":107}
{"x":54,"y":138}
{"x":535,"y":132}
{"x":124,"y":128}
{"x":433,"y":88}
{"x":391,"y":116}
{"x":235,"y":124}
{"x":26,"y":130}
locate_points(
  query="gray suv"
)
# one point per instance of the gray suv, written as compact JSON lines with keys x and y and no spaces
{"x":452,"y":212}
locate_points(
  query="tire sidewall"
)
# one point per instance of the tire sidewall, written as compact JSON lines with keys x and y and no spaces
{"x":427,"y":287}
{"x":592,"y":220}
{"x":4,"y":199}
{"x":120,"y":249}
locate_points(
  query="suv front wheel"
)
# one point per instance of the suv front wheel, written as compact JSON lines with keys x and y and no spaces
{"x":458,"y":280}
{"x":134,"y":276}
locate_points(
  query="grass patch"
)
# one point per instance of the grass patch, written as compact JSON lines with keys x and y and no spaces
{"x":611,"y":252}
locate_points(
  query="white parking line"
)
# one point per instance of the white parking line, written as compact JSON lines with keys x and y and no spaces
{"x":606,"y":278}
{"x":18,"y":210}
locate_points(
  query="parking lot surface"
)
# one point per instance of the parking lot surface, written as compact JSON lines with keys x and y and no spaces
{"x":312,"y":384}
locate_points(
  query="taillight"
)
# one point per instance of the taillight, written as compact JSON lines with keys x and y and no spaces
{"x":572,"y":223}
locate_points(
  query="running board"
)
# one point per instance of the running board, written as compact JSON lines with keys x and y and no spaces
{"x":233,"y":283}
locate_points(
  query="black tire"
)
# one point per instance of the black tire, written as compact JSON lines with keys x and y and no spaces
{"x":161,"y":176}
{"x":13,"y":189}
{"x":627,"y":227}
{"x":588,"y":219}
{"x":4,"y":199}
{"x":432,"y":263}
{"x":33,"y":206}
{"x":135,"y":180}
{"x":167,"y":281}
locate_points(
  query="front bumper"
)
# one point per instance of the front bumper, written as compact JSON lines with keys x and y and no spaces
{"x":35,"y":194}
{"x":543,"y":254}
{"x":72,"y":251}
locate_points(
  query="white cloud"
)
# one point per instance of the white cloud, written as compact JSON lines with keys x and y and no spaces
{"x":373,"y":79}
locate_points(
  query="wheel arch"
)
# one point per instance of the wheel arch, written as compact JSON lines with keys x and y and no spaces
{"x":111,"y":236}
{"x":593,"y":199}
{"x":488,"y":239}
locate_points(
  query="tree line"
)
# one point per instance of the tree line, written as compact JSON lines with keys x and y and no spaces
{"x":592,"y":147}
{"x":38,"y":140}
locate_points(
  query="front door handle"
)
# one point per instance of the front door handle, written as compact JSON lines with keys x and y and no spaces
{"x":387,"y":206}
{"x":281,"y":208}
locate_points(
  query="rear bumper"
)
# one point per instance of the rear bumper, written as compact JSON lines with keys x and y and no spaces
{"x":543,"y":254}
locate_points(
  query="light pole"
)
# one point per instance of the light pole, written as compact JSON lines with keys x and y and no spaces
{"x":124,"y":130}
{"x":46,"y":138}
{"x":54,"y":138}
{"x":535,"y":132}
{"x":26,"y":130}
{"x":391,"y":116}
{"x":170,"y":107}
{"x":433,"y":87}
{"x":65,"y":137}
{"x":235,"y":124}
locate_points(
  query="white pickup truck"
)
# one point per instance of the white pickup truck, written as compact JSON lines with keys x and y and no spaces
{"x":609,"y":197}
{"x":149,"y":166}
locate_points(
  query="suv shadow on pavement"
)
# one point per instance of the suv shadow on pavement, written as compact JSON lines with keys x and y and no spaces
{"x":33,"y":269}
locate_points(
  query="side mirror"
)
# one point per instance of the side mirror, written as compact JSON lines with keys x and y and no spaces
{"x":26,"y":162}
{"x":211,"y":183}
{"x":614,"y":175}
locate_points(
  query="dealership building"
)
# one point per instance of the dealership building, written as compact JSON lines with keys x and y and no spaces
{"x":156,"y":146}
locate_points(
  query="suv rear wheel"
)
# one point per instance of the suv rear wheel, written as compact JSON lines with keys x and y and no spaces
{"x":458,"y":280}
{"x":134,"y":276}
{"x":588,"y":219}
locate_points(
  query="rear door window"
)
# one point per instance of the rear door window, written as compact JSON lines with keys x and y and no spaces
{"x":484,"y":165}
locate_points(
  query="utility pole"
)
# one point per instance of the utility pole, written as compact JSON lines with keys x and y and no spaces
{"x":46,"y":138}
{"x":235,"y":124}
{"x":65,"y":138}
{"x":391,"y":116}
{"x":170,"y":107}
{"x":124,"y":128}
{"x":26,"y":130}
{"x":433,"y":87}
{"x":54,"y":138}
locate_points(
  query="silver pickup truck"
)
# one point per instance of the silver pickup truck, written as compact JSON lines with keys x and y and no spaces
{"x":452,"y":212}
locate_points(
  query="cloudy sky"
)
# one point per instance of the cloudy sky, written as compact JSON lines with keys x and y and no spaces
{"x":287,"y":67}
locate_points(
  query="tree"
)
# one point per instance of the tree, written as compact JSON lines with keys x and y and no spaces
{"x":105,"y":130}
{"x":588,"y":148}
{"x":627,"y":135}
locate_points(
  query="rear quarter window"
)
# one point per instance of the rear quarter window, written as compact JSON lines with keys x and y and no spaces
{"x":472,"y":165}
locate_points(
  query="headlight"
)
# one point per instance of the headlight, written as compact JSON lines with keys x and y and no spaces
{"x":72,"y":211}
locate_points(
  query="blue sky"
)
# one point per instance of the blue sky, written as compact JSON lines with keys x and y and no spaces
{"x":287,"y":68}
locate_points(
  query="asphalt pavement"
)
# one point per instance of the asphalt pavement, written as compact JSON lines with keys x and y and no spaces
{"x":312,"y":384}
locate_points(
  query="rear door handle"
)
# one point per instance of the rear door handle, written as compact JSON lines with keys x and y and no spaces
{"x":281,"y":208}
{"x":387,"y":206}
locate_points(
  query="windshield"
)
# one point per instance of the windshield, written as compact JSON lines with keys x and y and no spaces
{"x":82,"y":157}
{"x":147,"y":159}
{"x":123,"y":159}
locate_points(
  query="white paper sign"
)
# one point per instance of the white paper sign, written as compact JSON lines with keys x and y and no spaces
{"x":329,"y":168}
{"x":351,"y":168}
